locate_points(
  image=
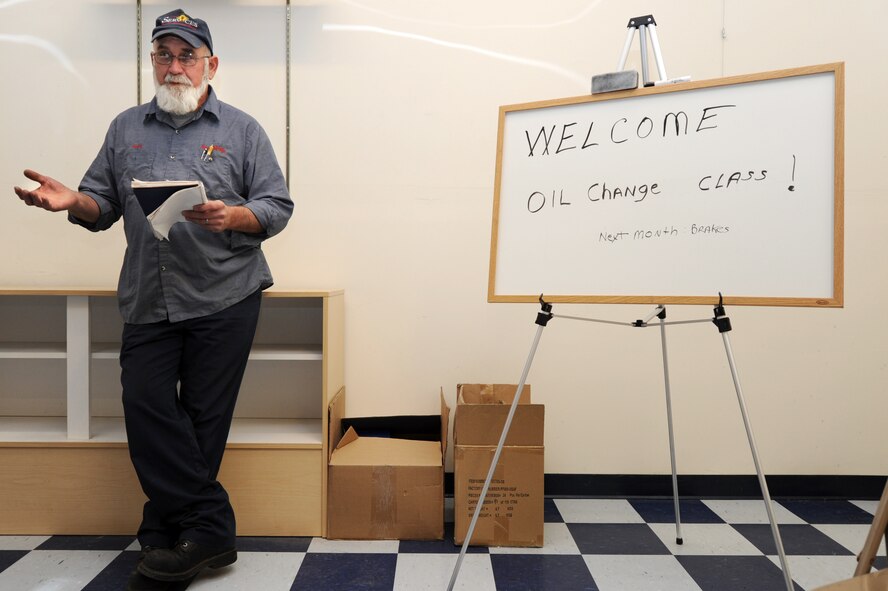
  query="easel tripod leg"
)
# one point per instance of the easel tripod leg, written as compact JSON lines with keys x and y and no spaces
{"x":761,"y":476}
{"x":678,"y":536}
{"x":542,"y":318}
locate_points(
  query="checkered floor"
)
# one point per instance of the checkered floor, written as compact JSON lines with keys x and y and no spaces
{"x":591,"y":544}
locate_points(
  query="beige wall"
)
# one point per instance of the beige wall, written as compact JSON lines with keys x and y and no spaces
{"x":394,"y":107}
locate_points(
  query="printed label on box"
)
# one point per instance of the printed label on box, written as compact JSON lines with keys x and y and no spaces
{"x":512,"y":514}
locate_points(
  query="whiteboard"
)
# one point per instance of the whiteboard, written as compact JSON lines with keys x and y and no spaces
{"x":674,"y":194}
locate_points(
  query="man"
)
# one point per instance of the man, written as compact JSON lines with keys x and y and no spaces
{"x":190,"y":304}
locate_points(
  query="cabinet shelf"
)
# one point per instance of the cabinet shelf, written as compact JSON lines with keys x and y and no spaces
{"x":259,"y":352}
{"x":62,"y":427}
{"x":295,"y":433}
{"x":33,"y":351}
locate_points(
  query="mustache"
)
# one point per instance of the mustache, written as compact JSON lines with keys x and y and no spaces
{"x":176,"y":79}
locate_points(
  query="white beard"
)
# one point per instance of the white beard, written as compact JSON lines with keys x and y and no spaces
{"x":182,"y":98}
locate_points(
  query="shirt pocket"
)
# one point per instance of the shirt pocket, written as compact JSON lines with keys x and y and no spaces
{"x":139,"y":164}
{"x":214,"y":170}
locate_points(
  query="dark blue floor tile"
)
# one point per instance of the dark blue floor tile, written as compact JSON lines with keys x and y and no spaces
{"x":827,"y":511}
{"x":86,"y":543}
{"x":541,"y":572}
{"x":735,"y":573}
{"x":114,"y":576}
{"x":616,"y":538}
{"x":798,"y":539}
{"x":346,"y":572}
{"x":262,"y":544}
{"x":8,"y":557}
{"x":551,"y":514}
{"x":445,"y":546}
{"x":663,"y":511}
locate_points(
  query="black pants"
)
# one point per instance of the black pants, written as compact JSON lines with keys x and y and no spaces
{"x":180,"y":383}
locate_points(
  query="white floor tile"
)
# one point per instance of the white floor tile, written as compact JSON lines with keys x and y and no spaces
{"x":868,"y":506}
{"x":751,"y":511}
{"x":432,"y":572}
{"x":71,"y":570}
{"x":816,"y":571}
{"x":639,"y":573}
{"x":851,"y":535}
{"x":597,"y":511}
{"x":705,"y":539}
{"x":21,"y":542}
{"x":354,"y":546}
{"x":268,"y":571}
{"x":55,"y":570}
{"x":556,"y":540}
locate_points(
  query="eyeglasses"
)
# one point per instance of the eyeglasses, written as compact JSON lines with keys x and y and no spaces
{"x":165,"y":58}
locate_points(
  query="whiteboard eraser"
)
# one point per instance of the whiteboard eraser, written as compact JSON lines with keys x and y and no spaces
{"x":614,"y":81}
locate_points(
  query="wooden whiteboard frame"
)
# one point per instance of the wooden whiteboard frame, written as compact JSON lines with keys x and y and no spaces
{"x":837,"y":299}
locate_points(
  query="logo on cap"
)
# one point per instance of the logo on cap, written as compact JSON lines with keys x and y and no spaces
{"x":182,"y":19}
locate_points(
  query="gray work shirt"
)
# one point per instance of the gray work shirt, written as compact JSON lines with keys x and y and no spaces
{"x":196,"y":272}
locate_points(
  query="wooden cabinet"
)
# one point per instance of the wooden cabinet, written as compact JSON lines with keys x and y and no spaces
{"x":63,"y":456}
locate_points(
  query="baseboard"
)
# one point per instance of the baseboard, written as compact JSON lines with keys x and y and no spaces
{"x":726,"y":486}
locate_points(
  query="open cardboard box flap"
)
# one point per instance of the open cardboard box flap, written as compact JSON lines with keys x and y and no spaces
{"x":354,"y":450}
{"x":491,"y":394}
{"x":339,"y":441}
{"x":482,"y":410}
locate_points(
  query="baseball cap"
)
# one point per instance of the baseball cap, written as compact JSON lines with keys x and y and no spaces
{"x":193,"y":31}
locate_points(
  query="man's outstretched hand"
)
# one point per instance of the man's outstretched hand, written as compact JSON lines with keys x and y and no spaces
{"x":52,"y":195}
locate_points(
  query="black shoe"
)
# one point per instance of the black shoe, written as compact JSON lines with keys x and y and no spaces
{"x":139,"y":582}
{"x":145,"y":550}
{"x":184,"y":561}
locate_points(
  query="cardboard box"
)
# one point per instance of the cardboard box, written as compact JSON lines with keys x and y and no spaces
{"x":386,"y":475}
{"x":513,"y":508}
